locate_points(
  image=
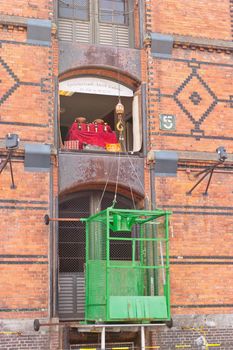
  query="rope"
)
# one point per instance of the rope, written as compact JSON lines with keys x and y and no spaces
{"x":133,"y":167}
{"x":106,"y":184}
{"x":118,"y":170}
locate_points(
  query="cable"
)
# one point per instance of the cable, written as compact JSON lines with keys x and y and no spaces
{"x":101,"y":198}
{"x":118,"y":169}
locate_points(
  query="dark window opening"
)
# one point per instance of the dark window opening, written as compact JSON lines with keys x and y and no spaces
{"x":74,"y":9}
{"x":71,"y":254}
{"x":113,"y":11}
{"x":88,"y":123}
{"x":72,"y":234}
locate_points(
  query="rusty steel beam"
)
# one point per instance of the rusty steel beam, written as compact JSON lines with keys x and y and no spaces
{"x":47,"y":219}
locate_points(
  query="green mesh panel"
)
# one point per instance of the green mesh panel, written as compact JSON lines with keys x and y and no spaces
{"x":127,"y":266}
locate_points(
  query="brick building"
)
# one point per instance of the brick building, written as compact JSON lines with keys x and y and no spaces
{"x":171,"y":64}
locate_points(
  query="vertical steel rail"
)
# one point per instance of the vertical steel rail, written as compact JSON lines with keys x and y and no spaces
{"x":107,"y":261}
{"x":87,"y":269}
{"x":143,"y":343}
{"x":133,"y":251}
{"x":167,"y":264}
{"x":51,"y":244}
{"x":103,"y":339}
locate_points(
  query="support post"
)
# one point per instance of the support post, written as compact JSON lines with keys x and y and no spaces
{"x":103,"y":339}
{"x":143,"y":344}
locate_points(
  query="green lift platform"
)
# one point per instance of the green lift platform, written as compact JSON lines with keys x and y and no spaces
{"x":127,"y":266}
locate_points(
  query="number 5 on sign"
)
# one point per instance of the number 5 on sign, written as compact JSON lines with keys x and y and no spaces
{"x":167,"y":122}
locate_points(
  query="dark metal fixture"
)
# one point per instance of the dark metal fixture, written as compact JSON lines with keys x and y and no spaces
{"x":11,"y":142}
{"x":222,"y":156}
{"x":47,"y":219}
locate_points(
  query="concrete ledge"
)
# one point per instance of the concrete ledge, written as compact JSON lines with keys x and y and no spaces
{"x":193,"y":156}
{"x":203,"y":42}
{"x":17,"y":21}
{"x":210,"y":321}
{"x":13,"y":20}
{"x":20,"y":150}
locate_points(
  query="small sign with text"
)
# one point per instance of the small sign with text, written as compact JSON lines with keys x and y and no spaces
{"x":167,"y":122}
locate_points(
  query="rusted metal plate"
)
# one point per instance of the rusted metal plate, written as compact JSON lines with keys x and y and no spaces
{"x":80,"y":171}
{"x":127,"y":60}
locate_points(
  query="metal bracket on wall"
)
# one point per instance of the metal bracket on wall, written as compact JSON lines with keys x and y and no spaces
{"x":209,"y":171}
{"x":12,"y":142}
{"x":8,"y":159}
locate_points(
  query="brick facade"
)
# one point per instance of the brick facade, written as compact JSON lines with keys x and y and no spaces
{"x":194,"y":84}
{"x":197,"y":18}
{"x":26,"y":109}
{"x":190,"y":338}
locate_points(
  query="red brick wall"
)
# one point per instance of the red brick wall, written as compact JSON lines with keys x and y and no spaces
{"x":201,"y":238}
{"x":172,"y":84}
{"x":24,"y":8}
{"x":195,"y":18}
{"x":26,"y":108}
{"x":29,"y":106}
{"x":24,"y":274}
{"x":199,"y":248}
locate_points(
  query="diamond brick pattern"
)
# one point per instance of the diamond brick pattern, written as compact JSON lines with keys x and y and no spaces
{"x":195,"y":98}
{"x":9,"y":81}
{"x":203,"y":101}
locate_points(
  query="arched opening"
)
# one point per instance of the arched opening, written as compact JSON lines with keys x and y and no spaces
{"x":87,"y":114}
{"x":71,"y":244}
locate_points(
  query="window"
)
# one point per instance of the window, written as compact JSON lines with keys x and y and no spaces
{"x":113,"y":11}
{"x":87,"y":106}
{"x":71,"y":245}
{"x":74,"y":9}
{"x":103,"y":22}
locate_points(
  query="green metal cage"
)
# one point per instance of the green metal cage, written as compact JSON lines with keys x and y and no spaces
{"x":127,"y":266}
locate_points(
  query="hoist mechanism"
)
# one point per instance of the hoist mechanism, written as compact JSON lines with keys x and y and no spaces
{"x":120,"y":110}
{"x":126,"y":266}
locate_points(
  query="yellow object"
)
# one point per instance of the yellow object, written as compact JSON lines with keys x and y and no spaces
{"x":213,"y":345}
{"x":120,"y":126}
{"x":8,"y":332}
{"x":65,"y":93}
{"x":113,"y":147}
{"x":120,"y":109}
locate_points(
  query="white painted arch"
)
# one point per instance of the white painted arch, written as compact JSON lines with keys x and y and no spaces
{"x":94,"y":85}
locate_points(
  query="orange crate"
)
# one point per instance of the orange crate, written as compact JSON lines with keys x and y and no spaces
{"x":113,"y":147}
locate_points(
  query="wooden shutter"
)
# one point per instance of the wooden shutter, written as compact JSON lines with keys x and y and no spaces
{"x":122,"y":36}
{"x":71,"y":295}
{"x":105,"y":34}
{"x":65,"y":30}
{"x":74,"y":31}
{"x":80,"y":301}
{"x":82,"y":32}
{"x":111,"y":34}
